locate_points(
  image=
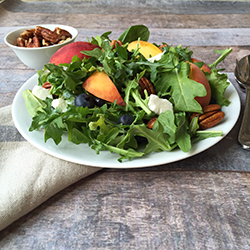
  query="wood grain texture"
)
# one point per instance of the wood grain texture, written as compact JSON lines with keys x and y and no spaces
{"x":131,"y":7}
{"x":121,"y":20}
{"x":140,"y":210}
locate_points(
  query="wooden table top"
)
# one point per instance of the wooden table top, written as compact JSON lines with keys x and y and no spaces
{"x":202,"y":202}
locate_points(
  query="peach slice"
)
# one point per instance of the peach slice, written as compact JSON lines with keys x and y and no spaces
{"x":147,"y":49}
{"x":66,"y":53}
{"x":100,"y":85}
{"x":197,"y":75}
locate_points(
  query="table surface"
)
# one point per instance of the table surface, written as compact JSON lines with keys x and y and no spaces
{"x":202,"y":202}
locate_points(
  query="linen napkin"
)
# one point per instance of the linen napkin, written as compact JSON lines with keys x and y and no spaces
{"x":28,"y":176}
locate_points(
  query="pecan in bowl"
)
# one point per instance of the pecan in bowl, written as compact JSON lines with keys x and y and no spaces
{"x":34,"y":45}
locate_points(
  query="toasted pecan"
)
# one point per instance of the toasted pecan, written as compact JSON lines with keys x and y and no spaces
{"x":145,"y":84}
{"x":211,"y":115}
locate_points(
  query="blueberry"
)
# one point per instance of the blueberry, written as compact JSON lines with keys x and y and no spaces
{"x":126,"y":119}
{"x":84,"y":100}
{"x":99,"y":102}
{"x":129,"y":55}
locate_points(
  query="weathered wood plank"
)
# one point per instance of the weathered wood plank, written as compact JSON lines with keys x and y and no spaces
{"x":141,"y":210}
{"x":130,"y":7}
{"x":121,"y":21}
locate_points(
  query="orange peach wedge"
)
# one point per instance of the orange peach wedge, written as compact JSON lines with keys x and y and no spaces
{"x":100,"y":85}
{"x":147,"y":49}
{"x":197,"y":75}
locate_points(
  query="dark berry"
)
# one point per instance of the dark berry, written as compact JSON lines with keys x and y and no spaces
{"x":129,"y":55}
{"x":99,"y":102}
{"x":126,"y":119}
{"x":84,"y":100}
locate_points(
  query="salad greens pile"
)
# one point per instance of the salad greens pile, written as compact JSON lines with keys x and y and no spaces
{"x":99,"y":127}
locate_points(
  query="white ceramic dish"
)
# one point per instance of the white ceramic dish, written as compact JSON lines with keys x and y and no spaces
{"x":82,"y":154}
{"x":35,"y":58}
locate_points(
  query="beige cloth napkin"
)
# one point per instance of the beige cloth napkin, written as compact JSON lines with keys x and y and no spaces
{"x":28,"y":177}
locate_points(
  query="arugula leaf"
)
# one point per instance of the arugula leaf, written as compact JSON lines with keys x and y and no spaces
{"x":33,"y":104}
{"x":202,"y":135}
{"x":183,"y":138}
{"x":167,"y":120}
{"x":181,"y":89}
{"x":134,"y":33}
{"x":218,"y":84}
{"x":54,"y":130}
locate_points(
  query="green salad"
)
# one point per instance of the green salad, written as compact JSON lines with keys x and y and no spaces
{"x":69,"y":109}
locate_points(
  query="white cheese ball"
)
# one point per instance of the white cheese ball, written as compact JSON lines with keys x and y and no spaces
{"x":61,"y":103}
{"x":159,"y":105}
{"x":41,"y":92}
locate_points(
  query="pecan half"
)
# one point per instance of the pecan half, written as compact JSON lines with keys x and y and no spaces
{"x":26,"y":34}
{"x":145,"y":84}
{"x":212,"y":120}
{"x":50,"y":36}
{"x":21,"y":42}
{"x":38,"y":31}
{"x":162,"y":46}
{"x":63,"y":41}
{"x":64,"y":34}
{"x":47,"y":85}
{"x":151,"y":123}
{"x":45,"y":43}
{"x":211,"y":116}
{"x":33,"y":42}
{"x":115,"y":42}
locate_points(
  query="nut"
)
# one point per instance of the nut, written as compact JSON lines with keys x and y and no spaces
{"x":38,"y":31}
{"x":162,"y":46}
{"x":63,"y":41}
{"x":212,"y":120}
{"x":115,"y":42}
{"x":151,"y":123}
{"x":64,"y":34}
{"x":27,"y":34}
{"x":46,"y":37}
{"x":146,"y":84}
{"x":21,"y":42}
{"x":50,"y":36}
{"x":33,"y":42}
{"x":211,"y":116}
{"x":46,"y":43}
{"x":46,"y":85}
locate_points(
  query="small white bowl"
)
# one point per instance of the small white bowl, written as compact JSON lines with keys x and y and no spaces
{"x":35,"y":58}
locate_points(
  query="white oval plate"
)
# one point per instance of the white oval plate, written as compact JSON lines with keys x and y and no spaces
{"x":82,"y":154}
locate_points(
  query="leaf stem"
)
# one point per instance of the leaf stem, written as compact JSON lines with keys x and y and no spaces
{"x":221,"y":58}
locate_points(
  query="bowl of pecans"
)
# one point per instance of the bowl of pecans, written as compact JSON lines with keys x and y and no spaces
{"x":34,"y":45}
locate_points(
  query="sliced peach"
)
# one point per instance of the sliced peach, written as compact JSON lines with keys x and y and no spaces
{"x":147,"y":49}
{"x":66,"y":53}
{"x":197,"y":75}
{"x":205,"y":67}
{"x":100,"y":85}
